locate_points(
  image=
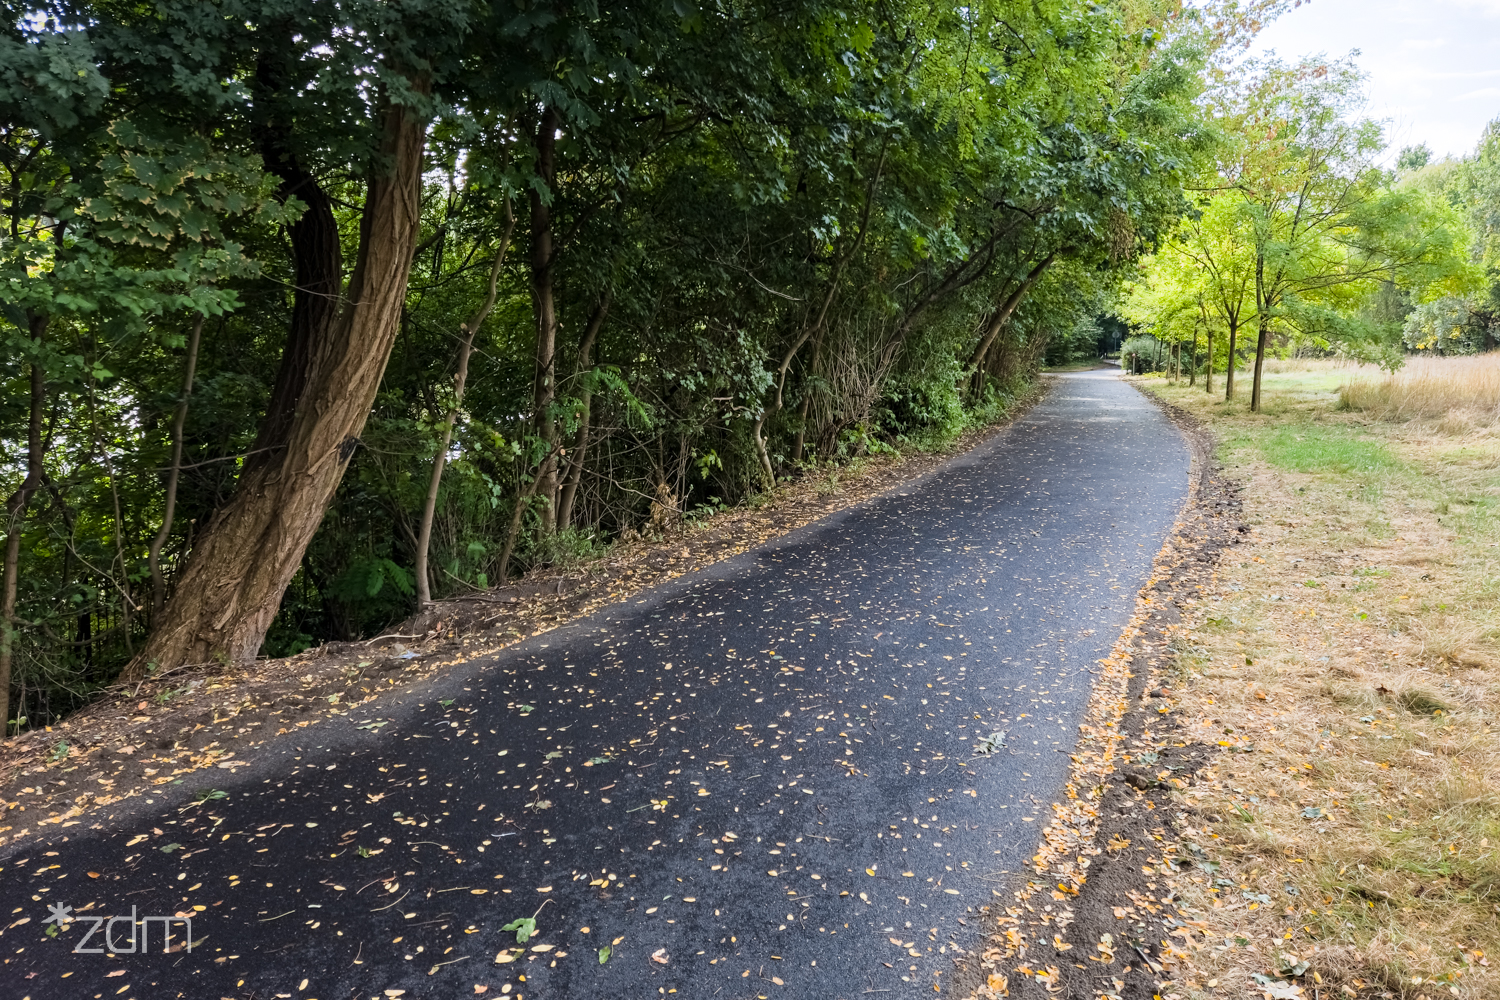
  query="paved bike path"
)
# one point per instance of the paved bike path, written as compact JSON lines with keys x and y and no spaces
{"x":760,"y":780}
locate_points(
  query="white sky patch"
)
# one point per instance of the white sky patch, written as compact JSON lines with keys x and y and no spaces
{"x":1433,"y":65}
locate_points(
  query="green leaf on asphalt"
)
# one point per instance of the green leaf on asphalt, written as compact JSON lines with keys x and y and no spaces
{"x":525,"y":928}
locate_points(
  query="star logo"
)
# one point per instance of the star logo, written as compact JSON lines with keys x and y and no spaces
{"x":61,"y":914}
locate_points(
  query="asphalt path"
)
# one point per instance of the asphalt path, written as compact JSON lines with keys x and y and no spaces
{"x":762,"y":779}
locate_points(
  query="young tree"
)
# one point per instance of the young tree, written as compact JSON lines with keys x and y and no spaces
{"x":1321,"y":223}
{"x":1207,"y":267}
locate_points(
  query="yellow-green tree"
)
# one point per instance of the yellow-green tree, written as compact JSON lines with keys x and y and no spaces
{"x":1207,"y":269}
{"x":1323,"y":225}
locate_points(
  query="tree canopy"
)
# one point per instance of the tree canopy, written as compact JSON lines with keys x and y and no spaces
{"x":314,"y":313}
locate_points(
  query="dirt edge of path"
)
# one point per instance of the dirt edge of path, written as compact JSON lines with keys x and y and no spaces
{"x":132,"y":742}
{"x":1096,"y":918}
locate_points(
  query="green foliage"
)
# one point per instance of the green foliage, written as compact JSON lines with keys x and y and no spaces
{"x":1450,"y":325}
{"x":1301,"y":236}
{"x":793,"y":223}
{"x":524,"y":928}
{"x":1413,"y":158}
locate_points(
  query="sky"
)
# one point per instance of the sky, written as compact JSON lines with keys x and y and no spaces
{"x":1433,"y":66}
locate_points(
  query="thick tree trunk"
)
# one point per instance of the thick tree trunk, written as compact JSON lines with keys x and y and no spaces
{"x":153,"y":554}
{"x":318,"y":269}
{"x":466,"y":347}
{"x":544,"y":388}
{"x":581,"y":439}
{"x":232,"y":584}
{"x":15,"y":512}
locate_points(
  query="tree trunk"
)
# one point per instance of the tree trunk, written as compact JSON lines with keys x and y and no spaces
{"x":1262,"y":324}
{"x":1002,"y":315}
{"x":544,"y":388}
{"x":802,"y":411}
{"x":1193,"y":360}
{"x":581,"y":439}
{"x":503,"y":570}
{"x":466,"y":347}
{"x":1262,"y":340}
{"x":318,"y":270}
{"x":15,"y":511}
{"x":1208,"y":364}
{"x":232,"y":584}
{"x":1234,"y":332}
{"x":153,"y":555}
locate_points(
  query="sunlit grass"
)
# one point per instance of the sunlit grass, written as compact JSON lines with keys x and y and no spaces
{"x":1332,"y":451}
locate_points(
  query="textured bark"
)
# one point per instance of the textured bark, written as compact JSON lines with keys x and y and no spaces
{"x":544,"y":388}
{"x":318,"y":264}
{"x":460,"y":377}
{"x":153,"y":554}
{"x":15,"y":512}
{"x":232,"y":584}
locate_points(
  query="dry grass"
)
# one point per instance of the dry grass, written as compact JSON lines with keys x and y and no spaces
{"x":1461,"y":393}
{"x":1350,"y":649}
{"x":1286,"y":366}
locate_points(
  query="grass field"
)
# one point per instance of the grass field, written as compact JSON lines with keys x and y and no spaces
{"x":1351,"y":650}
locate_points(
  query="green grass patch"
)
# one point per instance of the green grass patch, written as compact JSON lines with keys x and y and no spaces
{"x":1309,"y":448}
